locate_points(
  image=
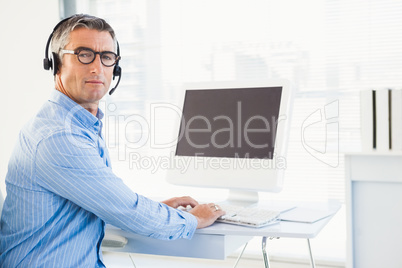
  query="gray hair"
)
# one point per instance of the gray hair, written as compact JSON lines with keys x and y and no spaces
{"x":61,"y":36}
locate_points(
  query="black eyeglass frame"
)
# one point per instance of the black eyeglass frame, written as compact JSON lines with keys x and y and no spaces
{"x":79,"y":50}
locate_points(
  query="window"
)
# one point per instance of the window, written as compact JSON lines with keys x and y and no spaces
{"x":329,"y":49}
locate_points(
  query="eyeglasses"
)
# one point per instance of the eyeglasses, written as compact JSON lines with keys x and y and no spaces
{"x":87,"y":56}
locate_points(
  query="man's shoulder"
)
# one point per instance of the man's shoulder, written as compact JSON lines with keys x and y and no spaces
{"x":52,"y":119}
{"x":49,"y":117}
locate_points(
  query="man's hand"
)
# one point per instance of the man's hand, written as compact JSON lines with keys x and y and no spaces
{"x":183,"y":201}
{"x":206,"y":214}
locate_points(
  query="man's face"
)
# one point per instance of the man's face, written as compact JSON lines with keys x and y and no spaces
{"x":87,"y":83}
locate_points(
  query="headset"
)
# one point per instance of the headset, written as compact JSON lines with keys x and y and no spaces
{"x":53,"y":61}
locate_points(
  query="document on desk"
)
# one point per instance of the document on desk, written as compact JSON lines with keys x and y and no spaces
{"x":305,"y":215}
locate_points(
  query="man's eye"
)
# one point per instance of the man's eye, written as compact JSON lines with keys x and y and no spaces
{"x":86,"y":54}
{"x":106,"y":57}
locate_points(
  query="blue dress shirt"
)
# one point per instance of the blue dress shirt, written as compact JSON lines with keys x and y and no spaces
{"x":61,"y":191}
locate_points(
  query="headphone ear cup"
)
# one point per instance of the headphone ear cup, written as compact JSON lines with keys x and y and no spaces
{"x":116,"y":70}
{"x":55,"y":63}
{"x":47,"y":64}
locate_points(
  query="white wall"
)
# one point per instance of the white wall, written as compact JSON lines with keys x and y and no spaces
{"x":24,"y":84}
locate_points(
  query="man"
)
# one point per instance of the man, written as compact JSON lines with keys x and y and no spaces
{"x":60,"y":187}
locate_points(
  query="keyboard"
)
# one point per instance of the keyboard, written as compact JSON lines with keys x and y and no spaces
{"x":248,"y":216}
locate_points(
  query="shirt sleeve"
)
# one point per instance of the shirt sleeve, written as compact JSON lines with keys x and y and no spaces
{"x":75,"y":171}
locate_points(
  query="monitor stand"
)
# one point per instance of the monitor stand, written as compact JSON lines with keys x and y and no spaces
{"x":242,"y":198}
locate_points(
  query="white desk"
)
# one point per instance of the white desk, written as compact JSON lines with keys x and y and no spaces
{"x":219,"y":240}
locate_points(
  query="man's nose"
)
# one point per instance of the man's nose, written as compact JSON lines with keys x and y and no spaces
{"x":96,"y":65}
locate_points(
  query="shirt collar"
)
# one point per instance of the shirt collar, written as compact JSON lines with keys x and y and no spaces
{"x":85,"y":117}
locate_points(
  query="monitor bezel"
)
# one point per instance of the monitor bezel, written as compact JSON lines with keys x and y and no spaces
{"x":200,"y":174}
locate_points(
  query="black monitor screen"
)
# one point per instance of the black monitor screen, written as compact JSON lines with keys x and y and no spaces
{"x":233,"y":123}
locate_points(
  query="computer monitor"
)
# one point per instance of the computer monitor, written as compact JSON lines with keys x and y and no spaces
{"x":234,"y":136}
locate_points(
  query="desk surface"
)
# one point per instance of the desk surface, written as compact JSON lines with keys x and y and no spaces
{"x":216,"y":241}
{"x":281,"y":229}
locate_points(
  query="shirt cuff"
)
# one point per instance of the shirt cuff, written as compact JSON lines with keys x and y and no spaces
{"x":191,"y":226}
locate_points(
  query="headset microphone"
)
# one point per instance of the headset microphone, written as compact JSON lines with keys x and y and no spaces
{"x":116,"y":72}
